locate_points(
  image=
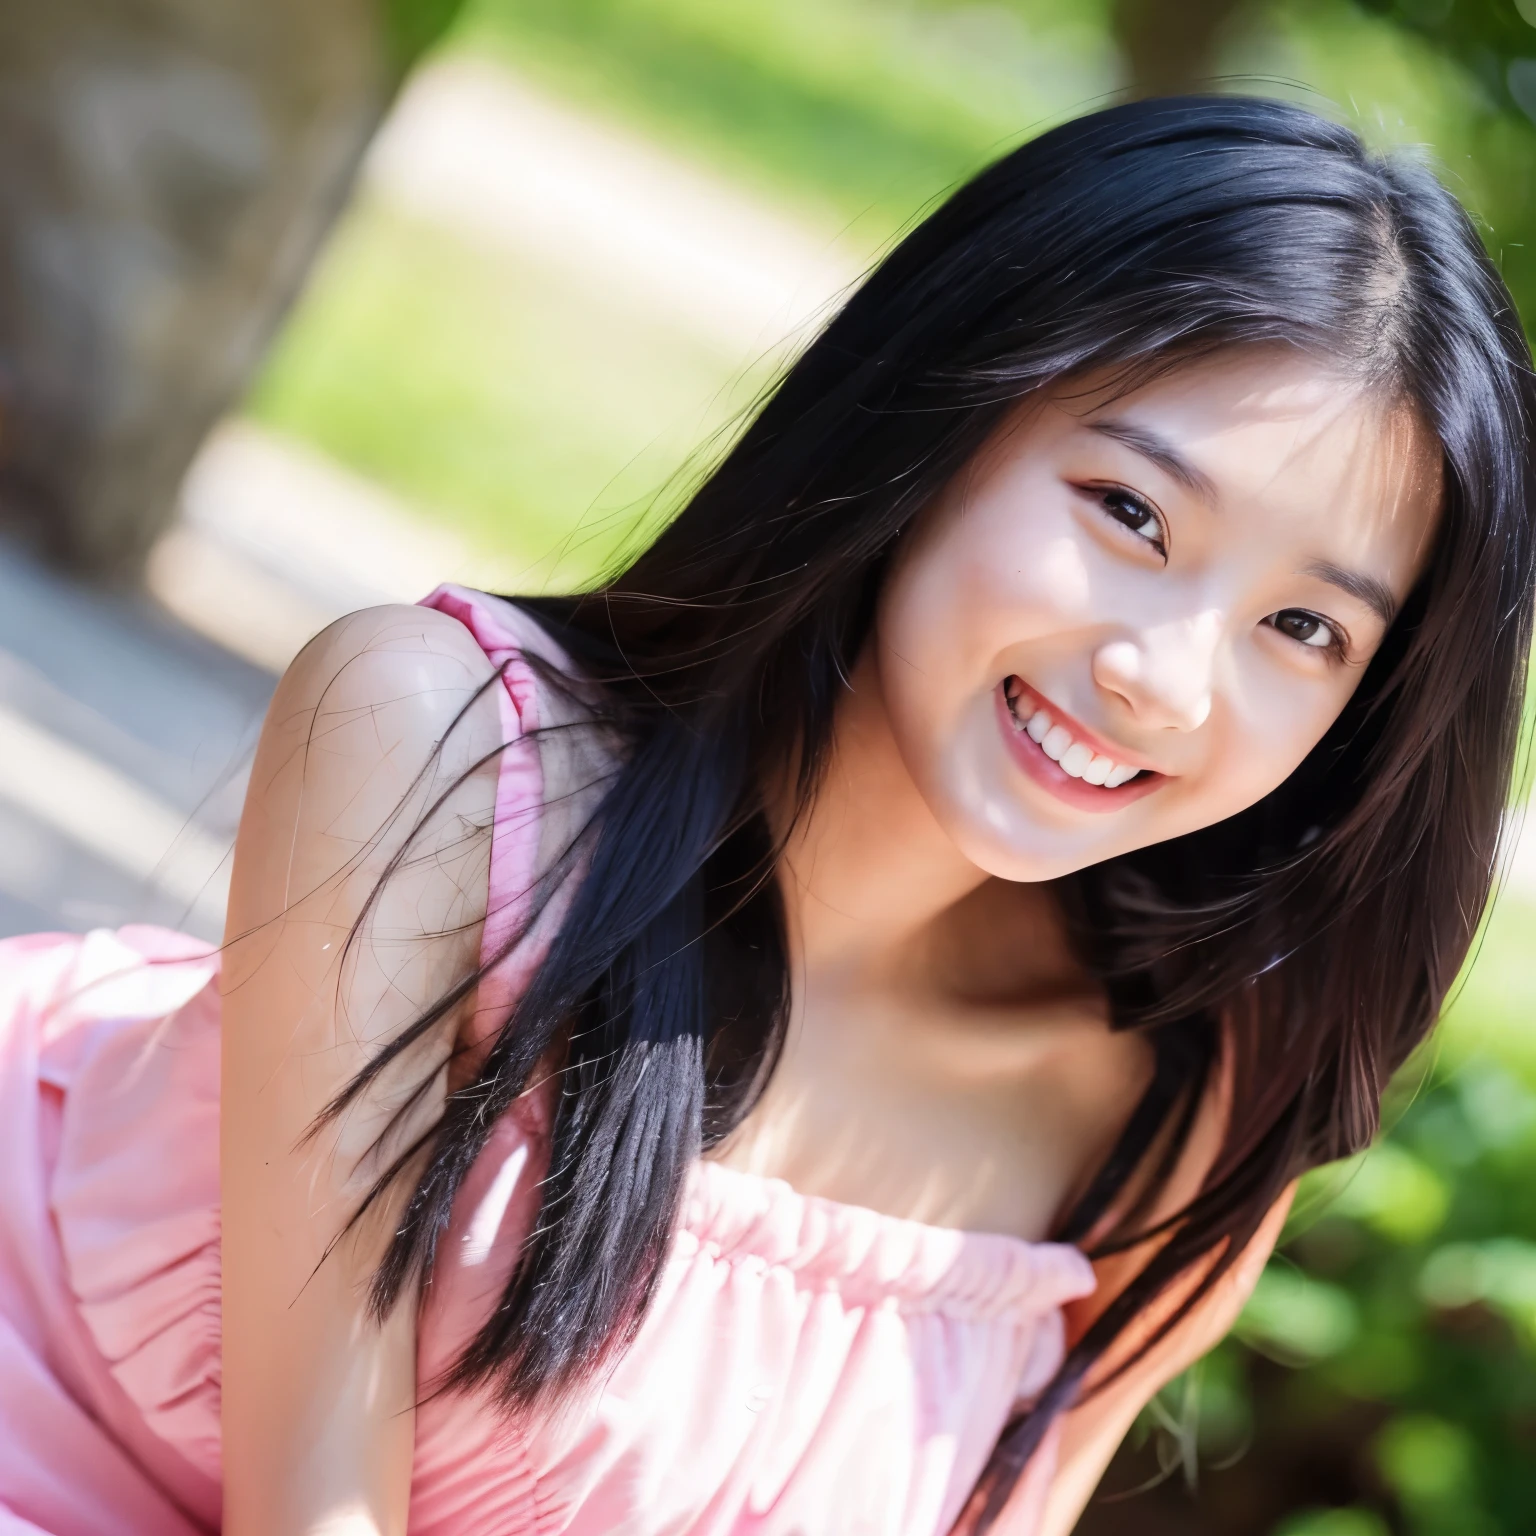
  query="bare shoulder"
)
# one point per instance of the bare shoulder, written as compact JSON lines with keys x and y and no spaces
{"x":384,"y":656}
{"x":372,"y":791}
{"x":364,"y":707}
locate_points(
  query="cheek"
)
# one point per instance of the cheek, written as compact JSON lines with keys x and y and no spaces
{"x":1271,"y":725}
{"x":1018,"y":546}
{"x":994,"y":575}
{"x":1057,"y":582}
{"x":951,"y":623}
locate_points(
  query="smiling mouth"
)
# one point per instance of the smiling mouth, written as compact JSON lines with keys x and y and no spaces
{"x":1032,"y":717}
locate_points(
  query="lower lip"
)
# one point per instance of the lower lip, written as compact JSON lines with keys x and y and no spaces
{"x":1052,"y":776}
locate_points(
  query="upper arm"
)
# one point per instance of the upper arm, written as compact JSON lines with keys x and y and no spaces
{"x":1092,"y":1432}
{"x":358,"y":895}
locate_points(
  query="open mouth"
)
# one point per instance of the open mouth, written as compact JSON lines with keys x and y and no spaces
{"x":1044,"y":728}
{"x":1056,"y":752}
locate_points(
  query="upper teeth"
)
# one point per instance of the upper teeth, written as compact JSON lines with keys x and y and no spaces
{"x":1072,"y":756}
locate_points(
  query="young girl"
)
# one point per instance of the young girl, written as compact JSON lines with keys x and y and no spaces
{"x":809,"y":1036}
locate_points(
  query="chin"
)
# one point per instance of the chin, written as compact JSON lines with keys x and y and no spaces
{"x":1014,"y":831}
{"x":1023,"y":852}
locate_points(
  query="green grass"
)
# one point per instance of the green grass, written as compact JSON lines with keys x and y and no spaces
{"x":527,"y":414}
{"x":498,"y":398}
{"x":857,"y":110}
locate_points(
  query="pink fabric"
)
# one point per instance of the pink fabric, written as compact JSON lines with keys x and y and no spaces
{"x":501,"y":632}
{"x":807,"y":1367}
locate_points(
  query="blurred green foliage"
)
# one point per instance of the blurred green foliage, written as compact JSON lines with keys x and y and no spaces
{"x":1432,"y":1238}
{"x":865,"y":109}
{"x":1386,"y":1365}
{"x":1334,"y":1522}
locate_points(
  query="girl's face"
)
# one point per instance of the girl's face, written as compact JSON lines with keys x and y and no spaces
{"x":1132,"y":618}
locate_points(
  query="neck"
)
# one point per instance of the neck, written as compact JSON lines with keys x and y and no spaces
{"x":868,"y":873}
{"x":941,"y":1038}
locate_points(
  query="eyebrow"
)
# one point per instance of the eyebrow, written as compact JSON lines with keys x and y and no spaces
{"x":1154,"y":446}
{"x":1376,"y":595}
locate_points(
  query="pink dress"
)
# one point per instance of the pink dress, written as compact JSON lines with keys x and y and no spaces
{"x":807,"y":1367}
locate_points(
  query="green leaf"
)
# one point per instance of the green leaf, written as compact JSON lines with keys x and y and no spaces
{"x":1395,"y":1194}
{"x":1297,"y":1319}
{"x":1354,"y":1521}
{"x":1428,"y":1461}
{"x":1500,"y":1273}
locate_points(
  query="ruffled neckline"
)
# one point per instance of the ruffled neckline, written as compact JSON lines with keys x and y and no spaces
{"x":871,"y":1257}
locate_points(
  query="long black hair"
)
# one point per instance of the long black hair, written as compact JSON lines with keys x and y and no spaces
{"x":1306,"y":944}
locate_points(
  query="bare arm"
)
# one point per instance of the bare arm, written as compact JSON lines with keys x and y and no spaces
{"x":1091,"y":1434}
{"x":317,"y":1409}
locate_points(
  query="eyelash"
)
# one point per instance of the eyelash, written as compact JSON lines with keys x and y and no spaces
{"x":1108,"y":495}
{"x":1335,"y":647}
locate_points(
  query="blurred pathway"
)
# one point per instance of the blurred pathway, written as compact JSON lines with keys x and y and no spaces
{"x":473,"y":148}
{"x":126,"y":724}
{"x":122,"y":744}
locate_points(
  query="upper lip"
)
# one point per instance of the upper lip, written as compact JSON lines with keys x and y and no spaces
{"x":1079,"y":731}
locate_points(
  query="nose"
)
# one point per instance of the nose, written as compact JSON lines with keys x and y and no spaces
{"x":1163,"y":674}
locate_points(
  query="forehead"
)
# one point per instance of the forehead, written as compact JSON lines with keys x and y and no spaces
{"x":1280,"y":440}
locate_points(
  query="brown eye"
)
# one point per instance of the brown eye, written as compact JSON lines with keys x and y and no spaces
{"x":1130,"y":511}
{"x":1307,"y":629}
